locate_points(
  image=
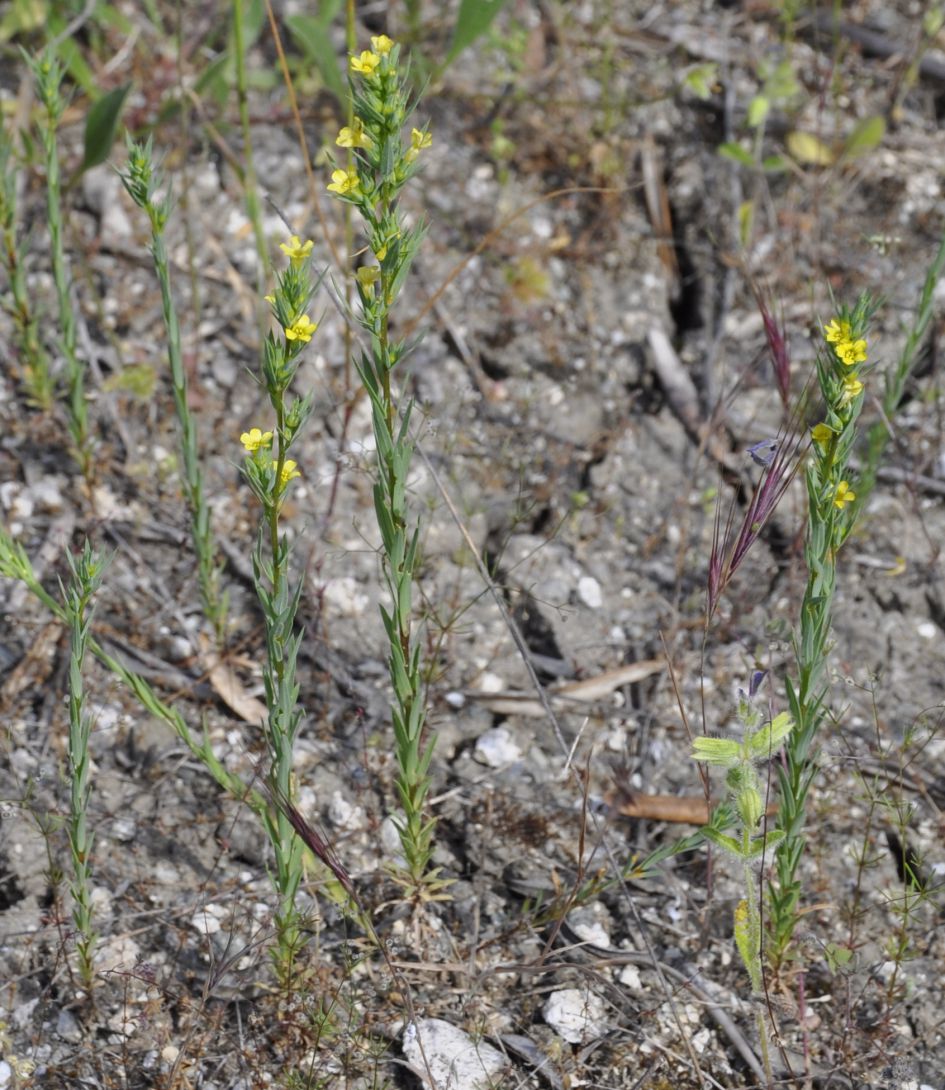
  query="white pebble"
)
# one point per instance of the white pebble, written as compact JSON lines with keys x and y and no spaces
{"x":589,"y":592}
{"x":927,"y":630}
{"x":496,"y":748}
{"x":450,"y":1059}
{"x":576,"y":1015}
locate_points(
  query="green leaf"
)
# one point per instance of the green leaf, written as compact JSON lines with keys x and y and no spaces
{"x":774,"y":164}
{"x":473,"y":20}
{"x":809,"y":149}
{"x":738,"y":154}
{"x":100,"y":126}
{"x":867,"y":135}
{"x":314,"y":38}
{"x":758,"y":110}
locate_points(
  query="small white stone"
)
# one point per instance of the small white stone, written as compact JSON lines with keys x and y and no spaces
{"x":169,"y":1053}
{"x":455,"y":699}
{"x":575,"y":1014}
{"x":589,"y":592}
{"x":592,"y":931}
{"x":207,"y":919}
{"x":6,"y":1075}
{"x":343,"y":813}
{"x":491,"y":683}
{"x":449,"y":1058}
{"x":630,"y":978}
{"x":496,"y":748}
{"x":927,"y":630}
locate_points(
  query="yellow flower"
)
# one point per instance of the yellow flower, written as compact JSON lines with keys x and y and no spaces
{"x":353,"y":137}
{"x":295,"y":250}
{"x":382,"y":45}
{"x":301,"y":329}
{"x":368,"y":275}
{"x":270,"y":299}
{"x":822,"y":435}
{"x":289,"y":473}
{"x":843,"y":496}
{"x":851,"y":352}
{"x":344,"y":182}
{"x":852,"y":387}
{"x":418,"y":141}
{"x":366,"y":63}
{"x":838,"y":330}
{"x":254,"y":440}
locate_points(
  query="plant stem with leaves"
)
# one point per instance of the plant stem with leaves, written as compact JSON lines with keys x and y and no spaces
{"x":830,"y":522}
{"x":86,"y":572}
{"x":269,"y":471}
{"x":760,"y":743}
{"x":48,"y":75}
{"x":143,"y":181}
{"x":383,"y":163}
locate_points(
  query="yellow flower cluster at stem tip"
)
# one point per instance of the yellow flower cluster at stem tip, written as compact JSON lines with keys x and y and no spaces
{"x":418,"y":141}
{"x":822,"y":434}
{"x":344,"y":182}
{"x":296,"y":250}
{"x":254,"y":440}
{"x":289,"y":473}
{"x":301,"y":329}
{"x":849,"y":350}
{"x":382,"y":45}
{"x":843,"y":495}
{"x":365,"y":63}
{"x":353,"y":136}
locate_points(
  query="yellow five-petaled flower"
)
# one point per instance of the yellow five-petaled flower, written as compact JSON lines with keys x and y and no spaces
{"x":344,"y":182}
{"x":851,"y":352}
{"x":382,"y":45}
{"x":254,"y":440}
{"x":366,"y":63}
{"x":289,"y":472}
{"x":418,"y":141}
{"x":822,"y":434}
{"x":353,"y":136}
{"x":837,"y":330}
{"x":301,"y":329}
{"x":296,"y":250}
{"x":843,"y":495}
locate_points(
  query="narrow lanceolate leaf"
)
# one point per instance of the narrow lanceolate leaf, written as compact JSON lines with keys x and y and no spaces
{"x":473,"y":19}
{"x":100,"y":127}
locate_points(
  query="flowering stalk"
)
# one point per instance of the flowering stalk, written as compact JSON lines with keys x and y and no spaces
{"x":830,"y":522}
{"x":86,"y":577}
{"x":382,"y":164}
{"x":760,"y":743}
{"x":269,"y":472}
{"x":36,"y":376}
{"x":142,"y":182}
{"x":48,"y":74}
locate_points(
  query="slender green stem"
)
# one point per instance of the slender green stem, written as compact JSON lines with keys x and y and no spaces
{"x":48,"y":73}
{"x":142,"y":181}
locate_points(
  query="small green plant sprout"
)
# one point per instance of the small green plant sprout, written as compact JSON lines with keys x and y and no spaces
{"x":743,"y":787}
{"x":143,"y":181}
{"x":269,"y":472}
{"x":48,"y":75}
{"x":831,"y":517}
{"x":384,"y":161}
{"x":86,"y":571}
{"x":36,"y":378}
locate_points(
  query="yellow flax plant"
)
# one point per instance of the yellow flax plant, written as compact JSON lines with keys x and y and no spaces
{"x":269,"y":472}
{"x":383,"y":159}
